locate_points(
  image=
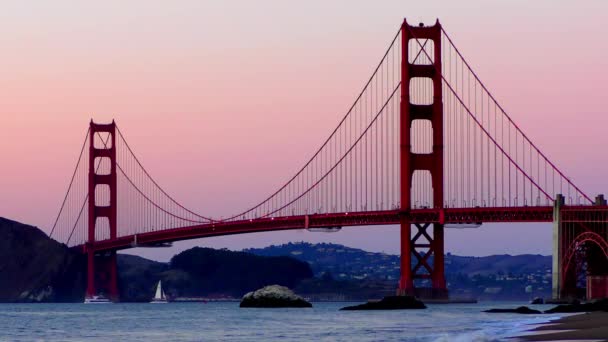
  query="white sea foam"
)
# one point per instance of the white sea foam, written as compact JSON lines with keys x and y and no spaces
{"x":477,"y":336}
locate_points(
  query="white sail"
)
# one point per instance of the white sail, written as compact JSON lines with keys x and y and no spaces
{"x":159,"y":291}
{"x":159,"y":297}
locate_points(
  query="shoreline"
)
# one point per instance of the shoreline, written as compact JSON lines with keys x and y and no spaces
{"x":591,"y":326}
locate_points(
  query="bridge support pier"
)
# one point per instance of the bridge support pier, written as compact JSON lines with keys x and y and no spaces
{"x":427,"y":250}
{"x":91,"y":289}
{"x":102,"y":275}
{"x":406,"y":282}
{"x":438,"y":283}
{"x":557,"y":248}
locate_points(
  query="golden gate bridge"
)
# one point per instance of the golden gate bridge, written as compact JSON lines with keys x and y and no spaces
{"x":424,"y":145}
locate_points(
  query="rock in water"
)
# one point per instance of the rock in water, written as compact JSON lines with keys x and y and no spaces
{"x":520,"y":310}
{"x":537,"y":300}
{"x":390,"y":303}
{"x":273,"y":296}
{"x":597,"y":305}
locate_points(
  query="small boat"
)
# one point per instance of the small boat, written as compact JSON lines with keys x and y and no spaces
{"x":97,"y":300}
{"x":159,"y":297}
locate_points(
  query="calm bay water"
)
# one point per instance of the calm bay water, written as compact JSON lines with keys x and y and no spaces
{"x":227,"y":322}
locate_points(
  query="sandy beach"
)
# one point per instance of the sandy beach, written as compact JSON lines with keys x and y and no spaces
{"x":584,"y":327}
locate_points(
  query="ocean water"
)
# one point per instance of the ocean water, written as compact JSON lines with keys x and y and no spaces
{"x":228,"y":322}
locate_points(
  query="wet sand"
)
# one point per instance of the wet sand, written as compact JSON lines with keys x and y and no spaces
{"x":584,"y":327}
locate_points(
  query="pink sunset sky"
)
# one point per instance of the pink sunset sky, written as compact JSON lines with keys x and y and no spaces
{"x":224,"y":100}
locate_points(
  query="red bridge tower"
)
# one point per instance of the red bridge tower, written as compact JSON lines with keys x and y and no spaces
{"x":431,"y":162}
{"x":101,"y":267}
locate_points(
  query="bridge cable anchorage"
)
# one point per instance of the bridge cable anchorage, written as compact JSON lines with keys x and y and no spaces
{"x":318,"y":153}
{"x":493,"y":139}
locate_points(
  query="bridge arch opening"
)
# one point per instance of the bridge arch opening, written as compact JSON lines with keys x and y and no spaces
{"x":581,"y":260}
{"x":103,"y":166}
{"x":102,"y":195}
{"x":102,"y":228}
{"x":422,"y":189}
{"x":421,"y":132}
{"x":421,"y":51}
{"x":102,"y":140}
{"x":421,"y":91}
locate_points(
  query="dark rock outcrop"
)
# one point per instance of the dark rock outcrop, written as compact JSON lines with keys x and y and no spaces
{"x":537,"y":300}
{"x":390,"y":303}
{"x":35,"y":268}
{"x":520,"y":310}
{"x":598,"y":305}
{"x":273,"y":296}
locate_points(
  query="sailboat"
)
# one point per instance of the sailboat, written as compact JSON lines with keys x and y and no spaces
{"x":159,"y":297}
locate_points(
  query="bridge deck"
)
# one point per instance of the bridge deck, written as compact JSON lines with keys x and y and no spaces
{"x":368,"y":218}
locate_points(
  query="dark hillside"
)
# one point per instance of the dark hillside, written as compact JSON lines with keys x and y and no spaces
{"x":35,"y":268}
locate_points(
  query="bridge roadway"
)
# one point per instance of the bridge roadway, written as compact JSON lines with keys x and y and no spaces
{"x":367,"y":218}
